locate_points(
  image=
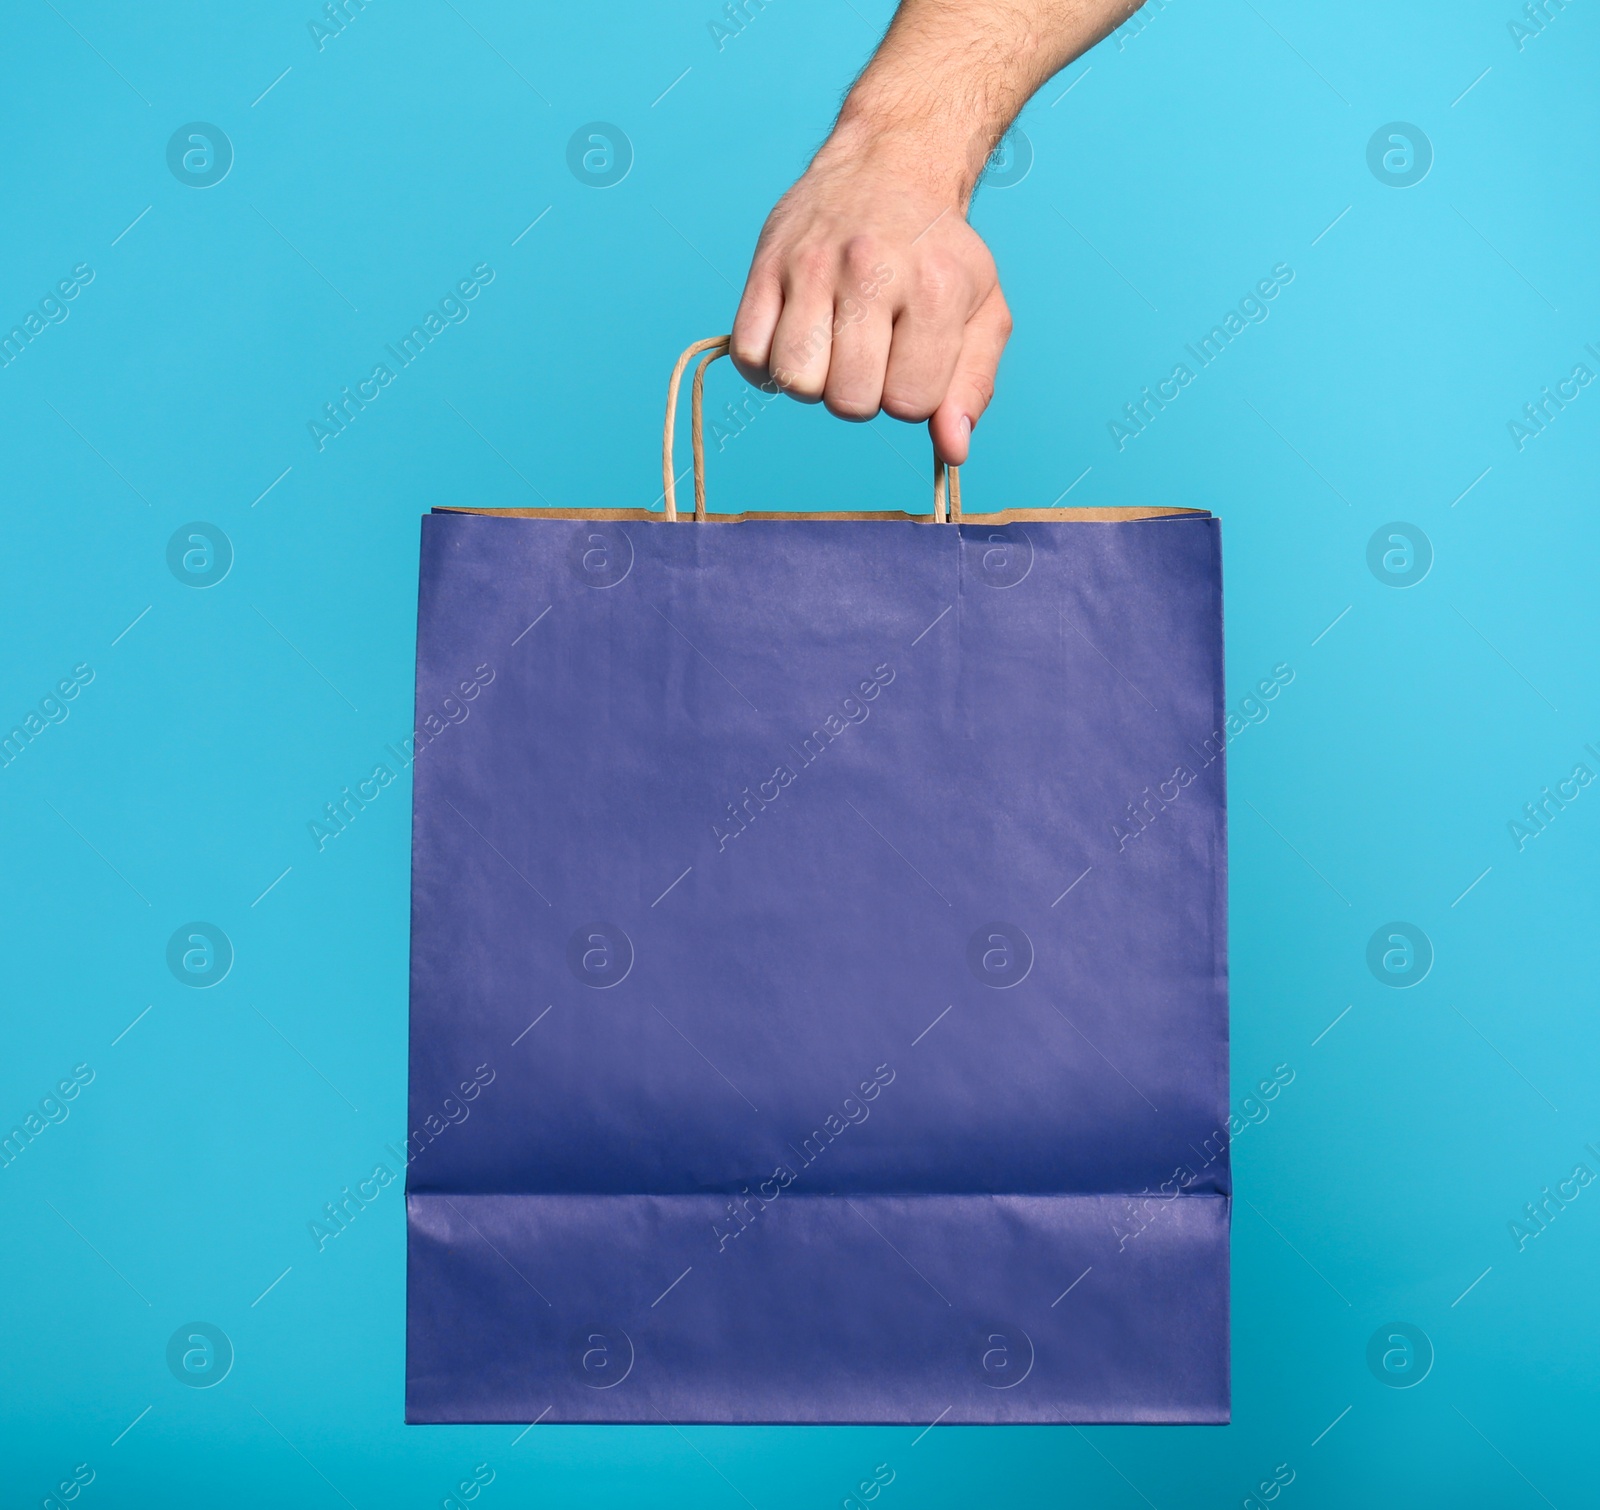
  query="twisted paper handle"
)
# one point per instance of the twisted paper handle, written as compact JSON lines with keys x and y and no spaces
{"x":717,"y":346}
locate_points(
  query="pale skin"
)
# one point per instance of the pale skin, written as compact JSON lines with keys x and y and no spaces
{"x":868,"y":290}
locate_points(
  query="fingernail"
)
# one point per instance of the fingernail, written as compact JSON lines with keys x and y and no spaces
{"x":966,"y":425}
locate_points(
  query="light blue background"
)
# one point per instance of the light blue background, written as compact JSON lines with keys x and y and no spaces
{"x":1189,"y":157}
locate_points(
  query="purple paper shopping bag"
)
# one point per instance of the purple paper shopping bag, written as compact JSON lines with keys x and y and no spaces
{"x":818,"y":976}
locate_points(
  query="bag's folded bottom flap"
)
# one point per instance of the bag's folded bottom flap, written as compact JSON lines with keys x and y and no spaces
{"x":814,"y":1308}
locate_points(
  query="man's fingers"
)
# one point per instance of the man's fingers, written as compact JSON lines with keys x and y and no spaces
{"x":754,"y":325}
{"x":972,"y":384}
{"x":847,"y":321}
{"x":927,"y":340}
{"x":861,"y":336}
{"x":803,"y":342}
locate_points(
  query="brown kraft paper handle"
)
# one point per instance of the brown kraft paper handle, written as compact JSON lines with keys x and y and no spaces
{"x":717,"y":346}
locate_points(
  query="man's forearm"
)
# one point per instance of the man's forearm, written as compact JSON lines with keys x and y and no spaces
{"x":868,"y":289}
{"x":950,"y":76}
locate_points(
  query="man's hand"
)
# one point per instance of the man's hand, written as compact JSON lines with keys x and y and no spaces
{"x":868,"y":288}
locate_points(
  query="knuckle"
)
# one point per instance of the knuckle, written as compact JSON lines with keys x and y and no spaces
{"x":767,"y":262}
{"x":861,"y":255}
{"x":797,"y":382}
{"x":812,"y":266}
{"x":751,"y":369}
{"x":747,"y":353}
{"x":852,"y":407}
{"x":908,"y":403}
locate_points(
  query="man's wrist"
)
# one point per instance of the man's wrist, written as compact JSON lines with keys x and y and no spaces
{"x":937,"y":151}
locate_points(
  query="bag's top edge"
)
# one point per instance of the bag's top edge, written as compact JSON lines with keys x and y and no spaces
{"x":1003,"y":516}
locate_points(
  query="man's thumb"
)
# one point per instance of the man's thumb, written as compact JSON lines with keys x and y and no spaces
{"x":972,"y":384}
